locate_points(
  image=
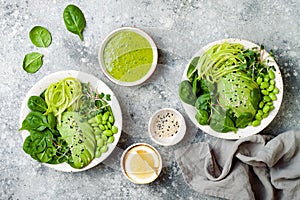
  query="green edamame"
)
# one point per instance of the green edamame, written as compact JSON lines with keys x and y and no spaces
{"x":276,"y":90}
{"x":261,"y":104}
{"x":97,"y":154}
{"x":100,"y":142}
{"x":111,"y":139}
{"x":259,"y":80}
{"x":265,"y":92}
{"x":272,"y":96}
{"x":104,"y":149}
{"x":264,"y":85}
{"x":101,"y":127}
{"x":114,"y":129}
{"x":266,"y":108}
{"x":256,"y":123}
{"x":271,"y":74}
{"x":266,"y":98}
{"x":107,"y":132}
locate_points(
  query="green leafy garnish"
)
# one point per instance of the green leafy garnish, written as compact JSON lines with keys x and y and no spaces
{"x":32,"y":62}
{"x":40,"y":36}
{"x":74,"y":20}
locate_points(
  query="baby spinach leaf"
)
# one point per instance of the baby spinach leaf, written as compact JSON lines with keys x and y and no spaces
{"x":221,"y":121}
{"x":32,"y":62}
{"x":255,"y":97}
{"x":202,"y":117}
{"x":34,"y":121}
{"x":192,"y":69}
{"x":36,"y":103}
{"x":186,"y":93}
{"x":51,"y":120}
{"x":203,"y":102}
{"x":40,"y":36}
{"x":74,"y":20}
{"x":243,"y":120}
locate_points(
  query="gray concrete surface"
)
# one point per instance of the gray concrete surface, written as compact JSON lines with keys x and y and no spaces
{"x":180,"y":29}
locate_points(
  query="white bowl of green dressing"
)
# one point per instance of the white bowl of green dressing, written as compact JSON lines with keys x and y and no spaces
{"x":128,"y":56}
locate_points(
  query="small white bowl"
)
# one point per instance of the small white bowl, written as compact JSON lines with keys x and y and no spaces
{"x":167,"y":127}
{"x":144,"y":35}
{"x":130,"y":175}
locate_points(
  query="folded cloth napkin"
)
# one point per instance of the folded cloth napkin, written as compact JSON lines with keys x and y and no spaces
{"x":256,"y":167}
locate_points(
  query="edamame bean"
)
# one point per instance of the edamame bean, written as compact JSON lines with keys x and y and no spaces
{"x":276,"y":90}
{"x":266,"y":78}
{"x":264,"y":85}
{"x":104,"y":149}
{"x":97,"y":154}
{"x":101,"y":127}
{"x":111,"y":139}
{"x":114,"y":129}
{"x":105,"y":116}
{"x":94,"y":125}
{"x":258,"y":117}
{"x":108,"y":125}
{"x":104,"y":137}
{"x":270,"y":88}
{"x":97,"y":137}
{"x":272,"y":82}
{"x":265,"y":92}
{"x":261,"y":104}
{"x":260,"y":112}
{"x":271,"y":74}
{"x":259,"y":80}
{"x":272,"y":96}
{"x":265,"y":115}
{"x":107,"y":132}
{"x":266,"y":108}
{"x":267,"y":98}
{"x":256,"y":123}
{"x":100,"y":142}
{"x":111,"y":119}
{"x":98,"y":119}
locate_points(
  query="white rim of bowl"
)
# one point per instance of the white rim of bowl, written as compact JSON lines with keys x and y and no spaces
{"x":132,"y":146}
{"x":143,"y":34}
{"x":173,"y":139}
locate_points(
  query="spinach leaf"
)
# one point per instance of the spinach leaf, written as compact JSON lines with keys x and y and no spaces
{"x":42,"y":95}
{"x":40,"y":36}
{"x":186,"y":93}
{"x":221,"y":121}
{"x":192,"y":69}
{"x":202,"y":117}
{"x":35,"y":121}
{"x":51,"y":120}
{"x":74,"y":20}
{"x":36,"y":103}
{"x":32,"y":62}
{"x":203,"y":102}
{"x":243,"y":120}
{"x":255,"y":97}
{"x":27,"y":145}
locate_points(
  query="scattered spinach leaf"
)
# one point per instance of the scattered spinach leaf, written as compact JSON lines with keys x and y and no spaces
{"x":51,"y":120}
{"x":221,"y":121}
{"x":192,"y":69}
{"x":36,"y":103}
{"x":74,"y":20}
{"x":40,"y":36}
{"x":32,"y":62}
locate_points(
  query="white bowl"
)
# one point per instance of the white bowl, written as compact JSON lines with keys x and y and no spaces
{"x":249,"y":130}
{"x":143,"y":34}
{"x":144,"y":181}
{"x":166,"y":127}
{"x":97,"y":84}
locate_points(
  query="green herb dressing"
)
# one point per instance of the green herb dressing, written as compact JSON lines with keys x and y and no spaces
{"x":128,"y":56}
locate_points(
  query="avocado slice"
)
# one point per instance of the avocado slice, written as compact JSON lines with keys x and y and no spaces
{"x":79,"y":137}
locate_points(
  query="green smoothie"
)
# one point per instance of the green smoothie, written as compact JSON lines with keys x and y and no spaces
{"x":128,"y":56}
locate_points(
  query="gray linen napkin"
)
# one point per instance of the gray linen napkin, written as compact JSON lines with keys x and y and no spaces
{"x":256,"y":167}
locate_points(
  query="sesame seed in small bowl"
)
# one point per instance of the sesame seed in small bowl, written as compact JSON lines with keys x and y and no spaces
{"x":166,"y":127}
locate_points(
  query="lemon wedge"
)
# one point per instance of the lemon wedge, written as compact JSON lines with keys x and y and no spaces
{"x":141,"y":164}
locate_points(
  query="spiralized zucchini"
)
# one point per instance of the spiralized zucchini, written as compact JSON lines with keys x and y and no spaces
{"x":61,"y":95}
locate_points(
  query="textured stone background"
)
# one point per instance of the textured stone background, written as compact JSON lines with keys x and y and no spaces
{"x":180,"y":29}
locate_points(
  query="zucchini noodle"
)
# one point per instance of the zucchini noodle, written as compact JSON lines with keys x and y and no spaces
{"x":61,"y":95}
